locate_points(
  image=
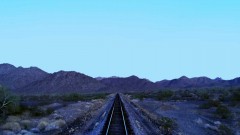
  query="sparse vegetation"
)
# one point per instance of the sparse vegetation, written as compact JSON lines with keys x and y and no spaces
{"x":81,"y":97}
{"x":209,"y":104}
{"x":224,"y":130}
{"x":140,"y":96}
{"x":163,"y":95}
{"x":72,"y":97}
{"x":35,"y":111}
{"x":235,"y":97}
{"x":204,"y":95}
{"x":223,"y":112}
{"x":9,"y":104}
{"x":160,"y":95}
{"x":167,"y":125}
{"x":218,"y":103}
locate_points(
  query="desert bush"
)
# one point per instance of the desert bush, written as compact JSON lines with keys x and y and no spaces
{"x":222,"y":98}
{"x":34,"y":111}
{"x":185,"y":93}
{"x":78,"y":97}
{"x":9,"y":104}
{"x":72,"y":97}
{"x":96,"y":96}
{"x":37,"y":112}
{"x":224,"y":130}
{"x":167,"y":125}
{"x":204,"y":96}
{"x":47,"y":99}
{"x":209,"y":104}
{"x":163,"y":95}
{"x":223,"y":112}
{"x":236,"y":95}
{"x":140,"y":96}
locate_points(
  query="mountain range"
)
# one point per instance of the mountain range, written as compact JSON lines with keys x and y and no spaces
{"x":34,"y":81}
{"x":17,"y":77}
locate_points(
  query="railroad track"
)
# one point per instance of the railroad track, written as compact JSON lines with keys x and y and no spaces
{"x":117,"y":121}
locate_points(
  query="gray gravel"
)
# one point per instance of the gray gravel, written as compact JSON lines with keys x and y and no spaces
{"x":186,"y":114}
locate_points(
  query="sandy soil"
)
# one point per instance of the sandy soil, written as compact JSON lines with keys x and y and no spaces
{"x":190,"y":119}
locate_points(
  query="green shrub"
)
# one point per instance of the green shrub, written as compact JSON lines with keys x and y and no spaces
{"x":140,"y":96}
{"x":72,"y":97}
{"x":14,"y":108}
{"x":222,"y":98}
{"x":96,"y":96}
{"x":9,"y":104}
{"x":224,"y":130}
{"x":186,"y":93}
{"x":81,"y":97}
{"x":223,"y":112}
{"x":236,"y":96}
{"x":167,"y":125}
{"x":163,"y":95}
{"x":37,"y":112}
{"x":204,"y":96}
{"x":210,"y":104}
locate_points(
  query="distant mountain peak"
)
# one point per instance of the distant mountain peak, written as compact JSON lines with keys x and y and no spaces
{"x":218,"y":79}
{"x":133,"y":76}
{"x":6,"y":68}
{"x":32,"y":67}
{"x":64,"y":72}
{"x":67,"y":74}
{"x":101,"y":78}
{"x":15,"y":78}
{"x":65,"y":82}
{"x":183,"y":77}
{"x":6,"y":64}
{"x":113,"y":77}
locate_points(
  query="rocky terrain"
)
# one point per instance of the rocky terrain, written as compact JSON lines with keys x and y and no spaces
{"x":64,"y":82}
{"x":129,"y":84}
{"x":156,"y":113}
{"x":186,"y":114}
{"x":213,"y":112}
{"x":59,"y":120}
{"x":14,"y":78}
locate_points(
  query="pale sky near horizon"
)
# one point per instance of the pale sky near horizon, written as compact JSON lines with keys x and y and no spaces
{"x":154,"y":39}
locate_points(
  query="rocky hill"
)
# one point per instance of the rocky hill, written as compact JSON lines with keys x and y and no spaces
{"x":36,"y":81}
{"x":198,"y":82}
{"x":185,"y":82}
{"x":63,"y":82}
{"x":17,"y":77}
{"x":129,"y":84}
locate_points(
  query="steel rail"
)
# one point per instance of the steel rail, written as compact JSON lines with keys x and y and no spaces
{"x":109,"y":123}
{"x":117,"y":112}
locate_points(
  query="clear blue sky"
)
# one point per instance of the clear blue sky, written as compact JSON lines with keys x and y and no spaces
{"x":154,"y":39}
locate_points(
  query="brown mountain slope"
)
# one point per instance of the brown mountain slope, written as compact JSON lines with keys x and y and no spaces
{"x":129,"y":84}
{"x":14,"y":78}
{"x":63,"y":82}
